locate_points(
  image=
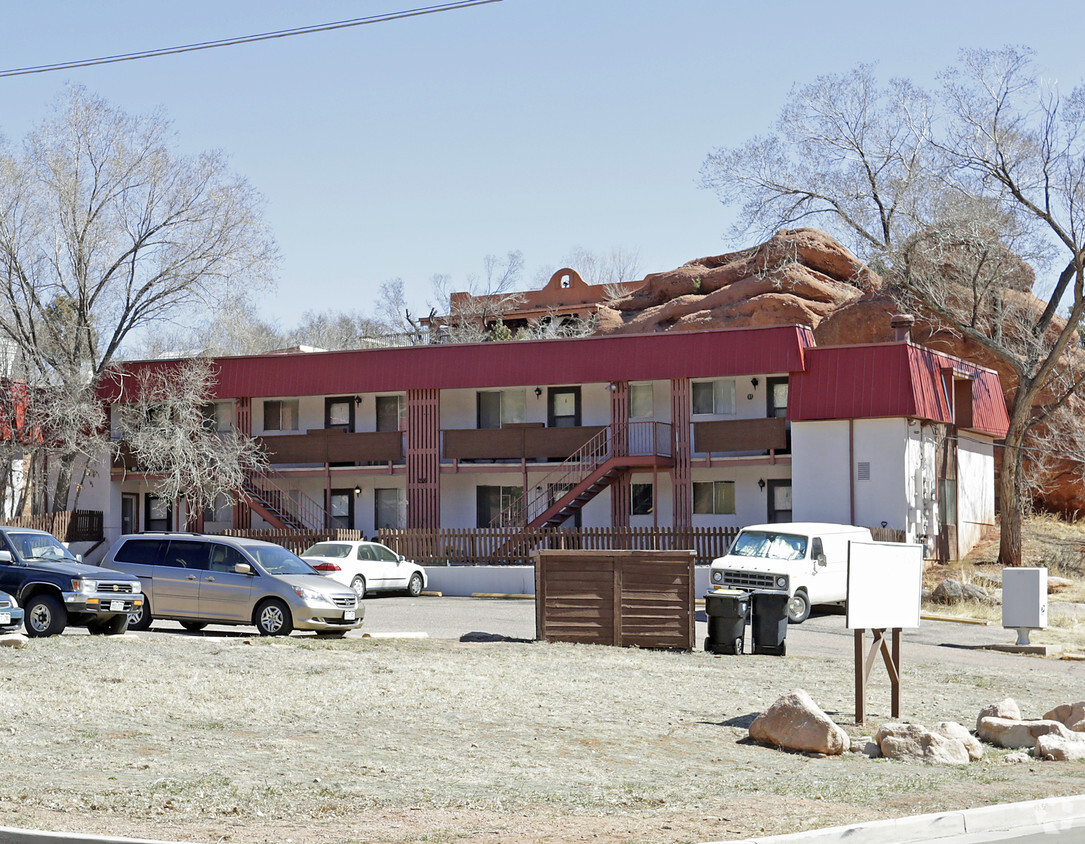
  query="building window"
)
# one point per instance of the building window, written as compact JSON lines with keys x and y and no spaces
{"x":500,"y":407}
{"x":714,"y":498}
{"x":388,"y":508}
{"x":219,"y":416}
{"x":642,"y":500}
{"x":716,"y":398}
{"x":492,"y":502}
{"x":641,"y":401}
{"x":219,"y":510}
{"x":390,"y":411}
{"x":947,"y":501}
{"x":281,"y":415}
{"x":339,"y":413}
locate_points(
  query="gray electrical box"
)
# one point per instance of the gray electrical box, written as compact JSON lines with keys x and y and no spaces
{"x":1024,"y":600}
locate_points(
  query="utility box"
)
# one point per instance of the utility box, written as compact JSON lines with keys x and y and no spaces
{"x":1024,"y":600}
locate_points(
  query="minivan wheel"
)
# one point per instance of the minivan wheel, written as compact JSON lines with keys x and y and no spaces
{"x":414,"y":586}
{"x":140,"y":618}
{"x":358,"y":585}
{"x":194,"y":626}
{"x":44,"y":616}
{"x":273,"y":619}
{"x":798,"y":608}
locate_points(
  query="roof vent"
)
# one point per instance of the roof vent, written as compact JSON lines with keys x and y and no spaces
{"x":902,"y":326}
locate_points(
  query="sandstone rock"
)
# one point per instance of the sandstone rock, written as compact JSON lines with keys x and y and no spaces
{"x":1059,"y":749}
{"x":795,"y":722}
{"x":1006,"y":708}
{"x":953,"y":730}
{"x":1016,"y":758}
{"x":1058,"y":584}
{"x":1009,"y":733}
{"x":949,"y":591}
{"x":867,"y":746}
{"x":1070,"y":714}
{"x":915,"y":742}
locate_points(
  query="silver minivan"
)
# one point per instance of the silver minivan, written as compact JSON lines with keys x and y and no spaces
{"x":197,"y":580}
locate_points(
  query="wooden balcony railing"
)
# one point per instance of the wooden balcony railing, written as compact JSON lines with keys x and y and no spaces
{"x":333,"y":445}
{"x":515,"y":442}
{"x":734,"y":435}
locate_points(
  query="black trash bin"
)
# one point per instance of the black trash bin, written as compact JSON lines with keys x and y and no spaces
{"x":769,"y":623}
{"x":727,"y":611}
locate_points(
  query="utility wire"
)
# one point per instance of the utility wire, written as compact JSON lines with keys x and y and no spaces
{"x":248,"y":39}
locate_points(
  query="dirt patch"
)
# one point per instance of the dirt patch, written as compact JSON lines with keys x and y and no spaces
{"x":226,"y":739}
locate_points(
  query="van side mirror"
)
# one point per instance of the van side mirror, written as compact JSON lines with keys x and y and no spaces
{"x":821,"y":560}
{"x":242,"y":568}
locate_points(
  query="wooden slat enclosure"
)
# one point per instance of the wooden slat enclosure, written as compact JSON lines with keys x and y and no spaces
{"x":638,"y":599}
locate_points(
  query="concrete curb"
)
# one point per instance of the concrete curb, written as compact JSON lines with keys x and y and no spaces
{"x":12,"y":835}
{"x":1050,"y":815}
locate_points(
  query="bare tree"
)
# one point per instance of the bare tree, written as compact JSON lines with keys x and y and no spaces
{"x":472,"y":311}
{"x":165,"y":415}
{"x":620,"y":264}
{"x":104,"y":230}
{"x":947,"y":206}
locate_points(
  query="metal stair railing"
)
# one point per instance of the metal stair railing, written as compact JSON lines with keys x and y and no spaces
{"x":638,"y":439}
{"x":293,"y":505}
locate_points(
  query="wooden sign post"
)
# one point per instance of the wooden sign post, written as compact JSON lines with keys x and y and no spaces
{"x":885,"y":589}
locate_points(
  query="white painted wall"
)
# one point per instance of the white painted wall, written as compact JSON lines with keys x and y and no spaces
{"x":883,"y":444}
{"x":820,"y":472}
{"x":975,"y":489}
{"x":464,"y":581}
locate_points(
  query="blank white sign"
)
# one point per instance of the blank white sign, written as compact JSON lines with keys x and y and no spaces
{"x":885,"y":585}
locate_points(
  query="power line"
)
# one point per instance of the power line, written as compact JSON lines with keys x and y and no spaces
{"x":248,"y":39}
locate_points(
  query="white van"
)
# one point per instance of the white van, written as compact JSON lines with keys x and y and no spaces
{"x":808,"y":560}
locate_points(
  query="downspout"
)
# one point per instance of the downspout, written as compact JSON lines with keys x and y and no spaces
{"x":851,"y":470}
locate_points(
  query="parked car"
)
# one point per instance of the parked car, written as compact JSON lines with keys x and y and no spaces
{"x":55,"y":589}
{"x":807,"y":560}
{"x":11,"y":614}
{"x":367,"y":567}
{"x":198,"y":579}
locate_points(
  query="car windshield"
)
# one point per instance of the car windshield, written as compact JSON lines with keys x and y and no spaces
{"x":328,"y":549}
{"x":775,"y":546}
{"x":276,"y":560}
{"x":39,"y":546}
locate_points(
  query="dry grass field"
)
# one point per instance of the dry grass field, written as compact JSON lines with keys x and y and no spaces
{"x":227,"y":738}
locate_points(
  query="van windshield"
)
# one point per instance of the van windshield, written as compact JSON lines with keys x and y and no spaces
{"x":276,"y":560}
{"x":775,"y":546}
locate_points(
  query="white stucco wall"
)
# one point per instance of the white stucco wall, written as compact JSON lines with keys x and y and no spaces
{"x":975,"y":489}
{"x":820,"y":472}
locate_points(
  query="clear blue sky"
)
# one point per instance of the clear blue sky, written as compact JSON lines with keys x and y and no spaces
{"x":416,"y":147}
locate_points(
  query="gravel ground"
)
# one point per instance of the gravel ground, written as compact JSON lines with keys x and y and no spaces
{"x":236,"y":739}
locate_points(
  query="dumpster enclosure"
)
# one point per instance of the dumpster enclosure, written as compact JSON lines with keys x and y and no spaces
{"x":641,"y":599}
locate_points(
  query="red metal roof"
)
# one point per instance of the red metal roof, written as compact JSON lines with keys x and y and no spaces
{"x":890,"y":380}
{"x":631,"y":357}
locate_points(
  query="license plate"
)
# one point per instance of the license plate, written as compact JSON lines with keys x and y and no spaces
{"x":5,"y":618}
{"x":348,"y":615}
{"x":116,"y":606}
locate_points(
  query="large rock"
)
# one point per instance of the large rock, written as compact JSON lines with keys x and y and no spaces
{"x":795,"y":722}
{"x":1005,"y":708}
{"x":915,"y":742}
{"x":1059,"y":749}
{"x":958,"y":732}
{"x":1070,"y":714}
{"x":1008,"y":733}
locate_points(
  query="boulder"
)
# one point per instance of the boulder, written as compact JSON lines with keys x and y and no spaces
{"x":1070,"y":714}
{"x":867,"y":746}
{"x":1006,"y":708}
{"x":949,"y":591}
{"x":973,"y":592}
{"x":1009,"y":733}
{"x":958,"y":732}
{"x":917,"y":743}
{"x":795,"y":722}
{"x":1058,"y":749}
{"x":1058,"y":584}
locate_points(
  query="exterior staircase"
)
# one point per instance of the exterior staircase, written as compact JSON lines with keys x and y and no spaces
{"x":595,"y":466}
{"x":281,"y":508}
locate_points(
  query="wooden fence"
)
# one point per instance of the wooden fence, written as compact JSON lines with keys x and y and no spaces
{"x":297,"y":540}
{"x":507,"y":547}
{"x":68,"y":526}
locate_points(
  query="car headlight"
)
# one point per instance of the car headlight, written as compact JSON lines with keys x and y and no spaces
{"x":311,"y":596}
{"x":83,"y":585}
{"x":717,"y":576}
{"x":781,"y":581}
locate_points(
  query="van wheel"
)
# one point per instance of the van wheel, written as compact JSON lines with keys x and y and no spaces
{"x":798,"y":608}
{"x":140,"y":619}
{"x":273,"y":618}
{"x":194,"y":626}
{"x":113,"y":626}
{"x":44,"y":616}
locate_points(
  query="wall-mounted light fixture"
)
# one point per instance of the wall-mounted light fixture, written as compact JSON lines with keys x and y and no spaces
{"x":612,"y":386}
{"x":538,"y":392}
{"x":761,"y":484}
{"x":357,"y":490}
{"x":755,"y":382}
{"x":357,"y":399}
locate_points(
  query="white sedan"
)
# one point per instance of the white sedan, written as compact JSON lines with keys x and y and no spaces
{"x":366,"y":567}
